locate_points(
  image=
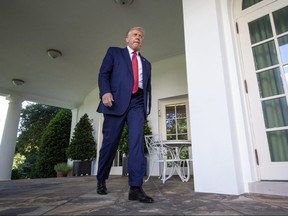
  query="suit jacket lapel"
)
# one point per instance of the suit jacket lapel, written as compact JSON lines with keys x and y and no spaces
{"x":127,"y":59}
{"x":144,"y":69}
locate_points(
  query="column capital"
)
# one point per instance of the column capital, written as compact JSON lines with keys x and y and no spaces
{"x":15,"y":98}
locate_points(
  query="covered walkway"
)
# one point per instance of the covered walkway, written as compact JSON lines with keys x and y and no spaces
{"x":77,"y":196}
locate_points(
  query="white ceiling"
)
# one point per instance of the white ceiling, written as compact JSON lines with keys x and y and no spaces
{"x":82,"y":30}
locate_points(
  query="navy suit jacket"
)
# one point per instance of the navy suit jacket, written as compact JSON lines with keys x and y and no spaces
{"x":116,"y":77}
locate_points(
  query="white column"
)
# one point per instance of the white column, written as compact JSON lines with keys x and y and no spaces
{"x":75,"y":113}
{"x":215,"y":114}
{"x":8,"y":142}
{"x":99,"y":140}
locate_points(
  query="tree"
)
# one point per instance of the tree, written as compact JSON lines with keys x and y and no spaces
{"x":54,"y":143}
{"x":83,"y":145}
{"x":34,"y":119}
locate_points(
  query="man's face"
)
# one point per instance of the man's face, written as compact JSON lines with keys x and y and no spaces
{"x":134,"y":39}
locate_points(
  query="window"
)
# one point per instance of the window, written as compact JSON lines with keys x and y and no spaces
{"x":176,"y":121}
{"x":174,"y":118}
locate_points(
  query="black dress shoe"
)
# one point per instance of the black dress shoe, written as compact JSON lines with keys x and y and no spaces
{"x":137,"y":193}
{"x":101,"y":188}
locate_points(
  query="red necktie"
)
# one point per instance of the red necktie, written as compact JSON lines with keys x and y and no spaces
{"x":135,"y":72}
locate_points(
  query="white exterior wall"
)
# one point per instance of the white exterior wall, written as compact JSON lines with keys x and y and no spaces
{"x":168,"y":80}
{"x":221,"y":151}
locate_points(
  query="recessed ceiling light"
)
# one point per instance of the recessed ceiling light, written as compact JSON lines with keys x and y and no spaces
{"x":17,"y":82}
{"x":54,"y":53}
{"x":124,"y":2}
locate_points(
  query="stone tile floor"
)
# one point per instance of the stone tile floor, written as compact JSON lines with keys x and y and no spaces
{"x":77,"y":196}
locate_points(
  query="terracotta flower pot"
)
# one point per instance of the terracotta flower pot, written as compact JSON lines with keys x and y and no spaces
{"x":70,"y":174}
{"x":60,"y":174}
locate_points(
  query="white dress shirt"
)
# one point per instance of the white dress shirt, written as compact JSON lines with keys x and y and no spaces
{"x":140,"y":71}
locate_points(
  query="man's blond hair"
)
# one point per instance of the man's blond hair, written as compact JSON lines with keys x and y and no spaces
{"x":136,"y":28}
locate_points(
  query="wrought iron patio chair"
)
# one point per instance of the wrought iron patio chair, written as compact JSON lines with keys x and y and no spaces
{"x":186,"y":165}
{"x":165,"y":156}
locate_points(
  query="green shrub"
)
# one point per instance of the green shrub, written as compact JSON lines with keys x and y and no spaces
{"x":82,"y":146}
{"x":63,"y":167}
{"x":54,"y":143}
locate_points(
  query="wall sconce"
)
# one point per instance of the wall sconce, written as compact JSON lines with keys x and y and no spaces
{"x":54,"y":53}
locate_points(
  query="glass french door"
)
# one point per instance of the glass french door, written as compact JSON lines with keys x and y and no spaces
{"x":263,"y":38}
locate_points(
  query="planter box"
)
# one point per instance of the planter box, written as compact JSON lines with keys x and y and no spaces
{"x":61,"y":174}
{"x":81,"y":168}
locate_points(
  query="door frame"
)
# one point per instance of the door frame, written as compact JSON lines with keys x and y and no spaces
{"x":255,"y":113}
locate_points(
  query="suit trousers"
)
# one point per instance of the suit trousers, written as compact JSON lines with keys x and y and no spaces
{"x":112,"y":130}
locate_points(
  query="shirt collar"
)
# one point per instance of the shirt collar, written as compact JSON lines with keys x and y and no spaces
{"x":131,"y":50}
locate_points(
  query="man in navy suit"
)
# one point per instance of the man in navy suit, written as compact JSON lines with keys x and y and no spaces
{"x":125,"y":91}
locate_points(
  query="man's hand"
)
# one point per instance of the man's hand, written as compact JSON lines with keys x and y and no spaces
{"x":107,"y":99}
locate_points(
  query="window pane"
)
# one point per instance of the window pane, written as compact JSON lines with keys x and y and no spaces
{"x":170,"y":126}
{"x":265,"y":55}
{"x":182,"y":137}
{"x":181,"y":111}
{"x":171,"y":137}
{"x":280,"y":20}
{"x":182,"y":126}
{"x":249,"y":3}
{"x":278,"y":145}
{"x":286,"y":72}
{"x":283,"y":47}
{"x":270,"y":83}
{"x":260,"y":29}
{"x":275,"y":112}
{"x":170,"y":112}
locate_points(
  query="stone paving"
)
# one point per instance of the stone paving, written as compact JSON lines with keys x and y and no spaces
{"x":77,"y":196}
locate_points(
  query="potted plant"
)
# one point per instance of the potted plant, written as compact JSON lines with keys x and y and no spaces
{"x":82,"y":148}
{"x":123,"y":146}
{"x":63,"y":169}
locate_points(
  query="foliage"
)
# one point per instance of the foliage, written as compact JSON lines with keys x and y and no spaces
{"x":184,"y":154}
{"x":34,"y":119}
{"x":54,"y":143}
{"x":18,"y":160}
{"x":18,"y":169}
{"x":16,"y":174}
{"x":123,"y":147}
{"x":63,"y":167}
{"x":82,"y":146}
